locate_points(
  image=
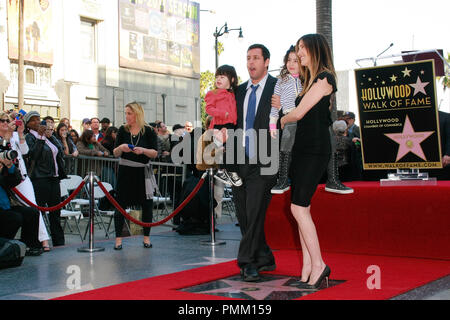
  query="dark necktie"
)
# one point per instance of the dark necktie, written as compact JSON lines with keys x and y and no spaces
{"x":250,"y":124}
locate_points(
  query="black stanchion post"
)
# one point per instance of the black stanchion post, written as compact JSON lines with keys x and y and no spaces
{"x":91,"y":248}
{"x":213,"y":241}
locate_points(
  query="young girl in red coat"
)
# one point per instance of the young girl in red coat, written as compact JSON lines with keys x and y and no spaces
{"x":221,"y":105}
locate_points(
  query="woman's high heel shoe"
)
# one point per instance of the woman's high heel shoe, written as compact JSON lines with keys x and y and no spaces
{"x":147,"y":245}
{"x":299,"y":283}
{"x":324,"y":276}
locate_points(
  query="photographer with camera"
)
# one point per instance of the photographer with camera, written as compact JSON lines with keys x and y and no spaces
{"x":14,"y":133}
{"x":46,"y":169}
{"x":14,"y":218}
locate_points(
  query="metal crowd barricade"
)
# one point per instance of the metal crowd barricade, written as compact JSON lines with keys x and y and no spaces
{"x":169,"y":177}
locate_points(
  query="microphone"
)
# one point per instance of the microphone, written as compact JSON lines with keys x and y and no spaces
{"x":390,"y":46}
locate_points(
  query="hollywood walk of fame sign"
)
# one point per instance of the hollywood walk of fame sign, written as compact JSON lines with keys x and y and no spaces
{"x":399,"y":117}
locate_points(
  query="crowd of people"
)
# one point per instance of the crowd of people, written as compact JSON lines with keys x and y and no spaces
{"x":32,"y":151}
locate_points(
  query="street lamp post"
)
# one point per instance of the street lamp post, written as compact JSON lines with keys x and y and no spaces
{"x":220,"y":32}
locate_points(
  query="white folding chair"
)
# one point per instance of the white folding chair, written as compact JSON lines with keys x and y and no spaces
{"x":98,"y":194}
{"x":72,"y":183}
{"x":70,"y":211}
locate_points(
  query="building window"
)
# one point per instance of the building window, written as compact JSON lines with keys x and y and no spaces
{"x":29,"y":76}
{"x":88,"y":41}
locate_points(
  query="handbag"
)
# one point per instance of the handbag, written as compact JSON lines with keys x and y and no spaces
{"x":202,"y":145}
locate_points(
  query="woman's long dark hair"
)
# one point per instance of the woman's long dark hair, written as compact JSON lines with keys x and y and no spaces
{"x":86,"y":137}
{"x":60,"y":125}
{"x":108,"y":141}
{"x":108,"y":138}
{"x":109,"y":132}
{"x":321,"y":59}
{"x":284,"y":70}
{"x":70,"y":143}
{"x":76,"y":133}
{"x":231,"y":74}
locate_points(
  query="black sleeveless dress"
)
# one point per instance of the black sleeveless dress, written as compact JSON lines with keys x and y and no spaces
{"x":312,"y":148}
{"x":131,"y":181}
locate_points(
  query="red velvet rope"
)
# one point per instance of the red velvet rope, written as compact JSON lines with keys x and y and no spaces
{"x":149,"y":225}
{"x":56,"y":208}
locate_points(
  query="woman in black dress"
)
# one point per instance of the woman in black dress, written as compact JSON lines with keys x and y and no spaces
{"x":136,"y":146}
{"x":312,"y":148}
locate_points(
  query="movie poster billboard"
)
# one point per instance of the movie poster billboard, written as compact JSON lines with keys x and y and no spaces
{"x":160,"y":36}
{"x":399,"y":116}
{"x":38,"y":41}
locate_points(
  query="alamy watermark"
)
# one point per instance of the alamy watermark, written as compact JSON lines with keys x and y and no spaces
{"x":74,"y":280}
{"x":374,"y":281}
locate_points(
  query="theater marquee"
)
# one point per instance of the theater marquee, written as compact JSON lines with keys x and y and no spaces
{"x":399,"y":117}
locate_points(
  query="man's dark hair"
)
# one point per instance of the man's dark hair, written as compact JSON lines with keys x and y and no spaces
{"x":265,"y":51}
{"x":48,"y":118}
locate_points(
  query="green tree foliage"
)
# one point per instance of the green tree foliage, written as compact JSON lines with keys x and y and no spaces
{"x":220,"y":48}
{"x":207,"y":81}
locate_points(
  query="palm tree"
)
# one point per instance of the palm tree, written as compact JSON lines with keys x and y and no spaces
{"x":324,"y":26}
{"x":324,"y":20}
{"x":20,"y":5}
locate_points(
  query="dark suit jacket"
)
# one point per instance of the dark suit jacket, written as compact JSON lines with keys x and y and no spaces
{"x":263,"y":113}
{"x":444,"y":127}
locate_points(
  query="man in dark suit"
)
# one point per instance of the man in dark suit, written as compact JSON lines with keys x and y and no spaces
{"x":253,"y":198}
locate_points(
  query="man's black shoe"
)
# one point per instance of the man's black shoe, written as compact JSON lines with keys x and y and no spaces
{"x":33,"y":252}
{"x":249,"y":273}
{"x":267,"y":268}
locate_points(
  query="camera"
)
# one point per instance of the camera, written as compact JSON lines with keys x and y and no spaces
{"x":9,"y":155}
{"x":5,"y":151}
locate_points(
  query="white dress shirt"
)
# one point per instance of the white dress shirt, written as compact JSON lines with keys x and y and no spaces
{"x":259,"y":92}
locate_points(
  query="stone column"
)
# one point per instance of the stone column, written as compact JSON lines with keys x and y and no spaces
{"x":62,"y":89}
{"x":4,"y":84}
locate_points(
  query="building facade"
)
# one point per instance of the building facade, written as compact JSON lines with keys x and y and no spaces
{"x":85,"y":77}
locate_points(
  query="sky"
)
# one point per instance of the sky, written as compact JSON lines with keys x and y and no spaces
{"x":361,"y":29}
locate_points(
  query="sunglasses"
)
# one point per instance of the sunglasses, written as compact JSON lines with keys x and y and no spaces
{"x":4,"y":121}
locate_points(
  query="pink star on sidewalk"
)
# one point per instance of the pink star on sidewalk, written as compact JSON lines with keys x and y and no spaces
{"x":258,"y":291}
{"x":409,"y":140}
